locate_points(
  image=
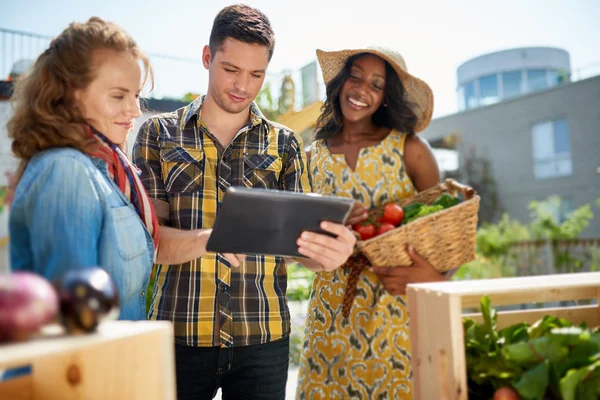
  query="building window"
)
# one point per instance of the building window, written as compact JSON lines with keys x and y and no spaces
{"x":551,"y":149}
{"x":565,"y":208}
{"x":557,"y":207}
{"x":488,"y":90}
{"x":536,"y":80}
{"x":461,"y":98}
{"x":553,"y":78}
{"x":470,"y":97}
{"x":512,"y":84}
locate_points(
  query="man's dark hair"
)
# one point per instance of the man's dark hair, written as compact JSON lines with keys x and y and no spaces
{"x":243,"y":23}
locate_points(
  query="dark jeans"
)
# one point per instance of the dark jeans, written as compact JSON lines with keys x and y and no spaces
{"x":246,"y":372}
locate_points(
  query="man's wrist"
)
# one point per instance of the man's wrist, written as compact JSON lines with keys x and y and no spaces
{"x":202,"y":236}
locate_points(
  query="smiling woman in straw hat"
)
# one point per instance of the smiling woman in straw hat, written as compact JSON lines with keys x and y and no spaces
{"x":366,"y":148}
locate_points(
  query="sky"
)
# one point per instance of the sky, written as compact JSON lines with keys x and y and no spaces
{"x":434,"y":37}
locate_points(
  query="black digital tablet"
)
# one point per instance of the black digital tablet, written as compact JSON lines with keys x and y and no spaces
{"x":262,"y":221}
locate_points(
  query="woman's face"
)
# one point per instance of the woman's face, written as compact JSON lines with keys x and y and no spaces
{"x":362,"y":93}
{"x":111,"y":101}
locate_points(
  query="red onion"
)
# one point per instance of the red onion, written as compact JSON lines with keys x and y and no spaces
{"x":27,"y":302}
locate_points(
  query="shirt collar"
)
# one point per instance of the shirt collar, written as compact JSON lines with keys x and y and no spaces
{"x":194,"y":109}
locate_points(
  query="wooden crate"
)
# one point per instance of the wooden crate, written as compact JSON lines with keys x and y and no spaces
{"x":436,"y":315}
{"x":123,"y":360}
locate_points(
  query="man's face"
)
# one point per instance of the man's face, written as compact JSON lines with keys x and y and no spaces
{"x":236,"y":73}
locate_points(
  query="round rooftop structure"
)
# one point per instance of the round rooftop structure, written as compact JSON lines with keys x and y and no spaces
{"x":501,"y":75}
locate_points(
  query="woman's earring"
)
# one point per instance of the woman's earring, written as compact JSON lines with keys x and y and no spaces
{"x":385,"y":105}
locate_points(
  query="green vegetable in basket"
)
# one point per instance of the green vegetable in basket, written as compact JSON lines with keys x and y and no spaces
{"x":446,"y":201}
{"x":411,"y":210}
{"x":423,"y":211}
{"x":551,"y":359}
{"x":418,"y":210}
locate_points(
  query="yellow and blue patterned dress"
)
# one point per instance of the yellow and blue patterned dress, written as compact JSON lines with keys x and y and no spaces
{"x":364,"y":356}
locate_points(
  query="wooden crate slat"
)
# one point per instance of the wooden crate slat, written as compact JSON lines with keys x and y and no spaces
{"x":17,"y":389}
{"x":435,"y":346}
{"x":518,"y":284}
{"x":436,"y":333}
{"x":132,"y":360}
{"x":576,"y":315}
{"x":531,"y":296}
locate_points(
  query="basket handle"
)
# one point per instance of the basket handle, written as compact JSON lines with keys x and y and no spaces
{"x":453,"y":186}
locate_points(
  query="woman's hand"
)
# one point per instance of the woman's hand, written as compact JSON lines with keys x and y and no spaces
{"x":395,"y":279}
{"x":323,"y":252}
{"x":359,"y":213}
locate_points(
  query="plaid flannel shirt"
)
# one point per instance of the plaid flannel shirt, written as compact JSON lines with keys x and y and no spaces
{"x":186,"y":171}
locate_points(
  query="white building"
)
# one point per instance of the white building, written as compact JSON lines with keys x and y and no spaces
{"x":502,"y":75}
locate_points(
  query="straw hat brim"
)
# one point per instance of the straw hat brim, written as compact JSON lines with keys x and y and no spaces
{"x":418,"y":93}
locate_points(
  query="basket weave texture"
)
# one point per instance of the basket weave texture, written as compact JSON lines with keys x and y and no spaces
{"x":445,"y":238}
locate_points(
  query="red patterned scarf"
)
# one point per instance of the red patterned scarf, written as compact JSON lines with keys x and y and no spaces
{"x":126,"y":175}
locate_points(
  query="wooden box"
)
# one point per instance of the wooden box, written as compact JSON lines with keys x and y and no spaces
{"x":122,"y":360}
{"x":436,"y":316}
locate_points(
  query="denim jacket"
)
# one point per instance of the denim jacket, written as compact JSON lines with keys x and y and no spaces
{"x":67,"y":213}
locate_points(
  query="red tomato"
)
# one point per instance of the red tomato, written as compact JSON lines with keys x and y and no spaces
{"x":393,"y":214}
{"x":365,"y":230}
{"x":383,"y":228}
{"x":506,"y":393}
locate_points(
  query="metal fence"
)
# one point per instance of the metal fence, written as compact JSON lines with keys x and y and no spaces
{"x":554,"y":256}
{"x":18,"y":48}
{"x":585,"y":71}
{"x":174,"y":76}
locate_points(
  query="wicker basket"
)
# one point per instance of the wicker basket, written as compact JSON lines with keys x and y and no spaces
{"x":445,"y":238}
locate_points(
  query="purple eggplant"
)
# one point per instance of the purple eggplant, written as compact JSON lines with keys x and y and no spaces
{"x":87,"y":297}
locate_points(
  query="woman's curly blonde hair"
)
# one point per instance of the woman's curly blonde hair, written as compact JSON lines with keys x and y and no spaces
{"x":45,"y":113}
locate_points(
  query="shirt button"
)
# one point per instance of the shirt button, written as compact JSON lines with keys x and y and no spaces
{"x":143,"y":293}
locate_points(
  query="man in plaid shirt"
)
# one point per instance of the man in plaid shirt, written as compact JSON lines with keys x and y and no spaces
{"x":231,"y":325}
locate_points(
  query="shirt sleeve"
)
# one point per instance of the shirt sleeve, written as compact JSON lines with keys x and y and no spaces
{"x":146,"y":156}
{"x":64,"y":218}
{"x":296,"y":177}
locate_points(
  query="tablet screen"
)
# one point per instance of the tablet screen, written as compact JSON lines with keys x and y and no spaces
{"x":268,"y":222}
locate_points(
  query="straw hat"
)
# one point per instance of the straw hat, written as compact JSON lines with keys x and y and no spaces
{"x":419,"y":94}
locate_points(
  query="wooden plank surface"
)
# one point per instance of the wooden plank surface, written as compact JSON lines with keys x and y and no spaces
{"x":437,"y":346}
{"x":512,"y":285}
{"x":588,"y":314}
{"x":531,"y":295}
{"x":123,"y":360}
{"x":436,"y":314}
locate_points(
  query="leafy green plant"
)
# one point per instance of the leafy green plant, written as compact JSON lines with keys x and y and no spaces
{"x":295,"y":349}
{"x":495,"y":242}
{"x":265,"y":103}
{"x":189,"y":97}
{"x":3,"y":193}
{"x":544,"y":224}
{"x":299,"y":282}
{"x":551,"y":359}
{"x":480,"y":268}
